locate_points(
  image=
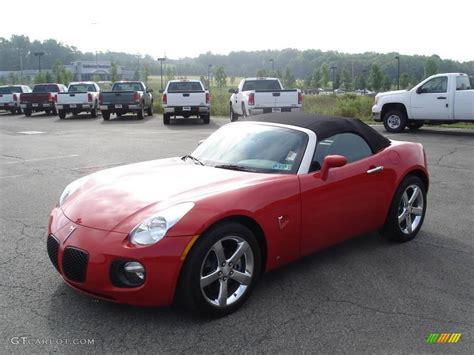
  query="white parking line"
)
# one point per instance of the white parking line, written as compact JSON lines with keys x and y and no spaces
{"x":40,"y":159}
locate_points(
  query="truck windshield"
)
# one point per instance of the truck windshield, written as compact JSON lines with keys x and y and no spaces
{"x":185,"y":86}
{"x":82,"y":88}
{"x":127,"y":87}
{"x":10,"y":90}
{"x":261,"y":85}
{"x":46,"y":88}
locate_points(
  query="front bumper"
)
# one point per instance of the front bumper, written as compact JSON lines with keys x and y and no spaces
{"x":262,"y":110}
{"x":162,"y":262}
{"x":186,"y":110}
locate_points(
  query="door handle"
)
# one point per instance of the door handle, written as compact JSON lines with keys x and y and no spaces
{"x":441,"y":97}
{"x":375,"y":170}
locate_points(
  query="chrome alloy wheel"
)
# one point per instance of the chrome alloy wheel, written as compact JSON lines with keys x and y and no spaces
{"x":227,"y":271}
{"x":410,"y":209}
{"x":394,"y":121}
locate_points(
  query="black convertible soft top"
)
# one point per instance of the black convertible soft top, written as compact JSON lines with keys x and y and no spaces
{"x":326,"y":126}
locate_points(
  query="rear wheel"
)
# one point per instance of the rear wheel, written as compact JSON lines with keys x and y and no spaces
{"x":54,"y":111}
{"x":395,"y":121}
{"x":47,"y":111}
{"x":149,"y":111}
{"x":106,"y":115}
{"x":27,"y":112}
{"x":166,"y":119}
{"x":220,"y":271}
{"x":94,"y":113}
{"x":62,"y":114}
{"x":206,"y":119}
{"x":141,"y":113}
{"x":407,"y":211}
{"x":19,"y":111}
{"x":244,"y":113}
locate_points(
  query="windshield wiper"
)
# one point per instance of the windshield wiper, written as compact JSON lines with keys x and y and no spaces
{"x":235,"y":167}
{"x":194,"y":159}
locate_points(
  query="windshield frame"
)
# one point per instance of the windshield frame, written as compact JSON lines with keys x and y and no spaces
{"x":304,"y":162}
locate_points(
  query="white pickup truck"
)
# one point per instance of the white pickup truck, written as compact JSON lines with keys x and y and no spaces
{"x":185,"y":98}
{"x":80,"y":97}
{"x":441,"y":98}
{"x":10,"y":97}
{"x":256,"y":96}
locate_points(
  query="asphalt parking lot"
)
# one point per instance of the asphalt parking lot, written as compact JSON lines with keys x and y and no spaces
{"x":365,"y":295}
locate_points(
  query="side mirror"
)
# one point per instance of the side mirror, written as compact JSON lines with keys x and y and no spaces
{"x":419,"y":90}
{"x":200,"y":142}
{"x":149,"y":90}
{"x":233,"y":91}
{"x":161,"y":91}
{"x":332,"y":161}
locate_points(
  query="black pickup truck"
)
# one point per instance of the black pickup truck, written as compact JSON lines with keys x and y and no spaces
{"x":125,"y":97}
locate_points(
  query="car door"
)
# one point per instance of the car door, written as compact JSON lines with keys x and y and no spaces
{"x":431,"y":100}
{"x":350,"y":201}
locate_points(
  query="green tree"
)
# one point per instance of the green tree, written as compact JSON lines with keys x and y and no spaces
{"x":221,"y":77}
{"x":347,"y":80}
{"x":232,"y":80}
{"x":113,"y":72}
{"x":60,"y":74}
{"x":170,"y":73}
{"x":404,"y":81}
{"x":375,"y":77}
{"x":48,"y":77}
{"x":261,"y":73}
{"x":288,"y":78}
{"x":431,"y":67}
{"x":360,"y":82}
{"x":145,"y":73}
{"x":39,"y":78}
{"x":136,"y":75}
{"x":387,"y":83}
{"x":324,"y":75}
{"x":95,"y":78}
{"x":13,"y":78}
{"x":316,"y":78}
{"x":337,"y":81}
{"x":204,"y":81}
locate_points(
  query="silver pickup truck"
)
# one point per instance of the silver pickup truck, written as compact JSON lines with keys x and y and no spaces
{"x":126,"y":97}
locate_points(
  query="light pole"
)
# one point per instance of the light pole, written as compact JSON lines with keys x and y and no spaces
{"x":333,"y":68}
{"x":39,"y":55}
{"x":209,"y":66}
{"x":162,"y":59}
{"x":397,"y":57}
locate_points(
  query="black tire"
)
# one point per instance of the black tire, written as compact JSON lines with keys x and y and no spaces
{"x":106,"y":115}
{"x":414,"y":125}
{"x":399,"y":231}
{"x":19,"y":111}
{"x":47,"y":111}
{"x":244,"y":112}
{"x":206,"y":119}
{"x":166,"y":119}
{"x":54,"y":111}
{"x":141,"y":113}
{"x":27,"y":112}
{"x":149,"y":110}
{"x":233,"y":116}
{"x":94,"y":113}
{"x":189,"y":293}
{"x":395,"y":121}
{"x":62,"y":114}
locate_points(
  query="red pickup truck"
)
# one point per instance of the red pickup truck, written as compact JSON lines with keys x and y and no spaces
{"x":43,"y":98}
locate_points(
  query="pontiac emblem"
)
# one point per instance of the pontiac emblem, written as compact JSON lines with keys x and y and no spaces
{"x":71,"y":230}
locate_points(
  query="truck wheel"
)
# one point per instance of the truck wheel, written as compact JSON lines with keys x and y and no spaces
{"x":141,"y":113}
{"x":106,"y":115}
{"x":206,"y":118}
{"x":19,"y":111}
{"x":414,"y":125}
{"x":47,"y":111}
{"x":233,"y":116}
{"x":149,"y":111}
{"x":94,"y":113}
{"x":62,"y":114}
{"x":244,"y":113}
{"x":27,"y":112}
{"x":394,"y":121}
{"x":166,"y":119}
{"x":54,"y":111}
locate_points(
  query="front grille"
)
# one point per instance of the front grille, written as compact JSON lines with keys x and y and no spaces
{"x":52,"y":244}
{"x":75,"y":264}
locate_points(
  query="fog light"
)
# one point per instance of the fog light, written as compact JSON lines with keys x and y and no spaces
{"x":134,"y":268}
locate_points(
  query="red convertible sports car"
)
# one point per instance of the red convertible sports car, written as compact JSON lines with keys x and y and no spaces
{"x":200,"y":229}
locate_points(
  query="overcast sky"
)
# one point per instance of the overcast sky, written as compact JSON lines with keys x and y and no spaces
{"x":190,"y":27}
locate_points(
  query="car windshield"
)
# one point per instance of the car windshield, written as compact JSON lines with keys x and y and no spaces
{"x":185,"y":86}
{"x":254,"y":147}
{"x":82,"y":88}
{"x":261,"y":85}
{"x":10,"y":89}
{"x":127,"y":87}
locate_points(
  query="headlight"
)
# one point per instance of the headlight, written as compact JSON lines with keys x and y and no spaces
{"x":71,"y":188}
{"x":154,"y":228}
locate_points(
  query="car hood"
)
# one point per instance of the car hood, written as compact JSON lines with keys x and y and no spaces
{"x":119,"y":198}
{"x":391,"y":93}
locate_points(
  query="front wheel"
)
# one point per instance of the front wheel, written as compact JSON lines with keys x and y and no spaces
{"x":233,"y":116}
{"x":141,"y":113}
{"x":94,"y":113}
{"x":62,"y":114}
{"x":106,"y":115}
{"x":244,"y":112}
{"x":149,"y":111}
{"x":395,"y":121}
{"x":27,"y":112}
{"x":166,"y":119}
{"x":220,"y":271}
{"x":407,"y":211}
{"x":19,"y":111}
